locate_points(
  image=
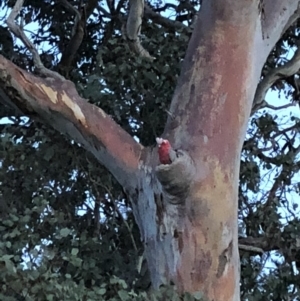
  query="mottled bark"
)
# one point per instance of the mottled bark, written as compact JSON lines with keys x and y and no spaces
{"x":193,"y":243}
{"x":56,"y":102}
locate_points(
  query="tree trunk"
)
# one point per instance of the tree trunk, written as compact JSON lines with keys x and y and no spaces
{"x":194,"y":243}
{"x":186,"y":211}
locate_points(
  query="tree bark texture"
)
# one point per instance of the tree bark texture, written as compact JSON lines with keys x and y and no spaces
{"x":186,"y":211}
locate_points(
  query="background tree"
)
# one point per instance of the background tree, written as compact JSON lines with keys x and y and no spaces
{"x":67,"y":226}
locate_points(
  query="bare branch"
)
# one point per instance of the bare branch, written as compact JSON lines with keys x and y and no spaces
{"x":56,"y":102}
{"x":133,"y":28}
{"x":264,"y":244}
{"x":104,"y":12}
{"x":268,"y":106}
{"x":288,"y":69}
{"x":284,"y":131}
{"x":119,"y":6}
{"x":78,"y":32}
{"x":159,"y":19}
{"x":258,"y":242}
{"x":251,"y":249}
{"x":17,"y":31}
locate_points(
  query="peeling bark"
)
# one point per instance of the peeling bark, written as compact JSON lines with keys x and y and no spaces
{"x":56,"y":102}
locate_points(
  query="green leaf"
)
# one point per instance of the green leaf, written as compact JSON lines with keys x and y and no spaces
{"x":123,"y":295}
{"x":50,"y":297}
{"x":74,"y":251}
{"x":10,"y":266}
{"x":48,"y":155}
{"x":65,"y":232}
{"x":101,"y":291}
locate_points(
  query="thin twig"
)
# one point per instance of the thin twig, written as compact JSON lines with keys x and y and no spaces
{"x":275,"y":108}
{"x":284,"y":131}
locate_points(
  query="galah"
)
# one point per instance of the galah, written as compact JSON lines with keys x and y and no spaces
{"x":166,"y":153}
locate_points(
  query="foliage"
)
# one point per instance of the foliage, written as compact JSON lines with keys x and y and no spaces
{"x":67,"y":230}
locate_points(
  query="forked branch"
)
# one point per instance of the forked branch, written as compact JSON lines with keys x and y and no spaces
{"x":56,"y":101}
{"x":288,"y":69}
{"x":18,"y":32}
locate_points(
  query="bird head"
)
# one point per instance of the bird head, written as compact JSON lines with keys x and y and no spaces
{"x":162,"y":142}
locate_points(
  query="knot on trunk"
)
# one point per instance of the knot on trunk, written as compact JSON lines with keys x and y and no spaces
{"x":176,"y":178}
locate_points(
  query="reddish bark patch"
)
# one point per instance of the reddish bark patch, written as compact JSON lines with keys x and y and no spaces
{"x":202,"y":266}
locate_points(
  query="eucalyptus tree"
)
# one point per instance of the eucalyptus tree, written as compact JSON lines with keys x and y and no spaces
{"x":111,"y":78}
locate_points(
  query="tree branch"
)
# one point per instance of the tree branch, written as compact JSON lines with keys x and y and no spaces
{"x":78,"y":32}
{"x":284,"y":131}
{"x":278,"y":16}
{"x":282,"y":242}
{"x":251,"y":249}
{"x":70,"y":7}
{"x":57,"y":102}
{"x":133,"y":28}
{"x":257,"y":242}
{"x":159,"y":19}
{"x":18,"y":32}
{"x":266,"y":105}
{"x":288,"y":69}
